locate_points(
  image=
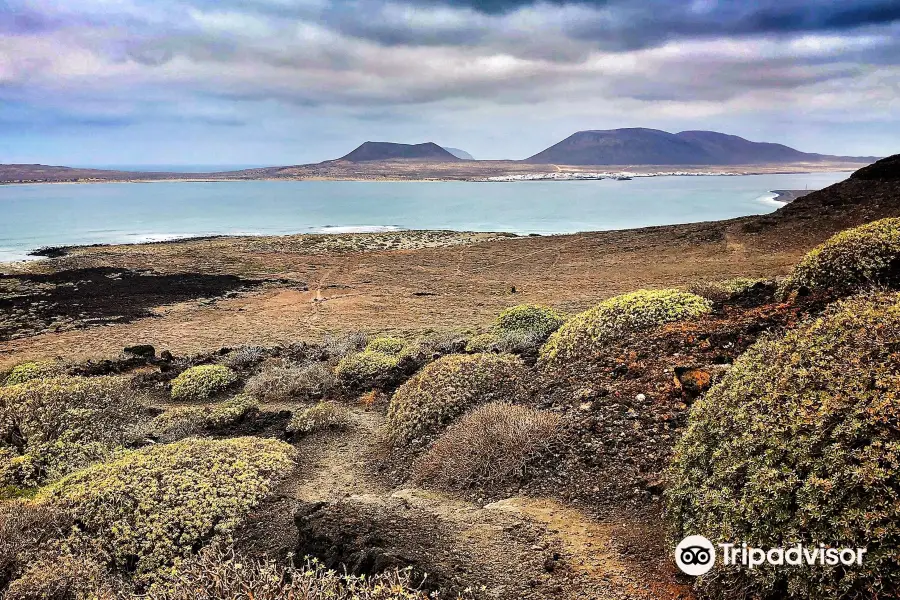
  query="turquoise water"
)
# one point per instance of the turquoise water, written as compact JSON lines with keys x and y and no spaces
{"x":32,"y":216}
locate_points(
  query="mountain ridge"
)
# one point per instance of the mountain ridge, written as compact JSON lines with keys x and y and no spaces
{"x":644,"y":146}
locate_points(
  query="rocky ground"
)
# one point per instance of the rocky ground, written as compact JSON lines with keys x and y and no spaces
{"x":341,"y":510}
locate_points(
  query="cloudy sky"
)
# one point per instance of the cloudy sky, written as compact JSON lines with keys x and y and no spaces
{"x":106,"y":82}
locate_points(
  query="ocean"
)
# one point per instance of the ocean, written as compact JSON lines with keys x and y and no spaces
{"x":38,"y":215}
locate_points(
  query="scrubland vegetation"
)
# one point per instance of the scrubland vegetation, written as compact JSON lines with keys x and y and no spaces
{"x":854,"y":259}
{"x":730,"y":409}
{"x":588,"y":331}
{"x":202,"y":382}
{"x":798,"y":443}
{"x":446,"y":388}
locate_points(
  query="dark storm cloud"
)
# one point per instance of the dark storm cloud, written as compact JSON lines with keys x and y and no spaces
{"x":629,"y":25}
{"x":734,"y":16}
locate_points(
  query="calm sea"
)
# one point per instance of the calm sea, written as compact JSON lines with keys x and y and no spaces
{"x":32,"y":216}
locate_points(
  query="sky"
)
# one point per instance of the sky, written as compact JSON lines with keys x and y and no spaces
{"x":280,"y":82}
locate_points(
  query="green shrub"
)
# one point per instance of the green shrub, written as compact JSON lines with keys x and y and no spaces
{"x":799,"y":443}
{"x":175,"y":424}
{"x":339,"y":345}
{"x":366,"y":368}
{"x":27,"y":530}
{"x":62,"y":576}
{"x":427,"y":347}
{"x":386,"y":345}
{"x":587,"y":332}
{"x":861,"y":257}
{"x":448,"y":387}
{"x":483,"y":342}
{"x":229,"y":412}
{"x":490,"y":445}
{"x":34,"y":370}
{"x":721,"y":291}
{"x":508,"y":342}
{"x":283,"y":383}
{"x":202,"y":382}
{"x":152,"y":506}
{"x":184,"y":421}
{"x":49,"y":427}
{"x":324,"y":415}
{"x":534,"y":319}
{"x":217,"y":574}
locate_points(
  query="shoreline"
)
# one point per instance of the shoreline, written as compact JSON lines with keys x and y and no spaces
{"x":788,"y":196}
{"x":571,"y":173}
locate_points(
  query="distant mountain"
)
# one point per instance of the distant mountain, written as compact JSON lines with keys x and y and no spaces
{"x":639,"y":146}
{"x":459,"y":153}
{"x":391,"y":151}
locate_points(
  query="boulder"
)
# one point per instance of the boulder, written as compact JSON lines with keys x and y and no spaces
{"x":692,"y":381}
{"x":141,"y":350}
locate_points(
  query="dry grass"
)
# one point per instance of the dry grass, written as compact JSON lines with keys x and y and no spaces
{"x":26,"y":529}
{"x":439,"y":289}
{"x":490,"y":445}
{"x":218,"y":574}
{"x":289,"y":382}
{"x":321,"y":416}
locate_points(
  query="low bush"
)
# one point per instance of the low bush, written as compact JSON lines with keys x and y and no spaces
{"x":448,"y":387}
{"x":49,"y":427}
{"x":324,"y":415}
{"x":435,"y":344}
{"x":483,"y":342}
{"x":200,"y":383}
{"x":152,"y":506}
{"x":174,"y":424}
{"x":520,"y":342}
{"x":292,"y":382}
{"x":587,"y":332}
{"x":509,"y":342}
{"x":34,"y":370}
{"x":339,"y":345}
{"x":216,"y":574}
{"x":230,"y":412}
{"x":386,"y":344}
{"x":245,"y":357}
{"x":722,"y":291}
{"x":539,"y":321}
{"x":26,"y":531}
{"x":185,"y":421}
{"x":366,"y":369}
{"x":857,"y":258}
{"x":62,"y":576}
{"x":799,"y":444}
{"x":490,"y":445}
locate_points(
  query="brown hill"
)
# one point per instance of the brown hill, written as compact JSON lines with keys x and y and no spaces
{"x":869,"y":194}
{"x":370,"y":151}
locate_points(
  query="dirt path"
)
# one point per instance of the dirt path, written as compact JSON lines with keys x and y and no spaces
{"x":516,"y":548}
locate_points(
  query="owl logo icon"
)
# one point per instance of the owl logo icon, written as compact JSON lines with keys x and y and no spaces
{"x":695,"y":555}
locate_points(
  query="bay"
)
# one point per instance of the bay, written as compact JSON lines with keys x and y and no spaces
{"x":38,"y":215}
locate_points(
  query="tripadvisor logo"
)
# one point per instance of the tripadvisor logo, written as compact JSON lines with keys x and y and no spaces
{"x":695,"y":555}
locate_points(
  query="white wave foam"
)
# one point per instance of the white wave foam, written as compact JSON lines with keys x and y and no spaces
{"x":355,"y":229}
{"x":770,"y":200}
